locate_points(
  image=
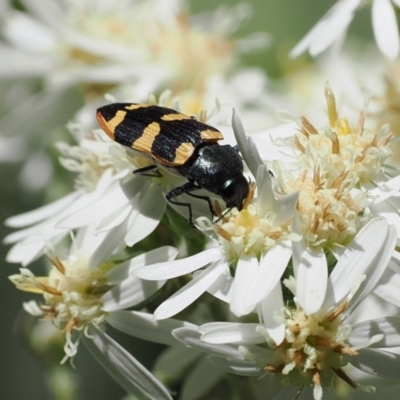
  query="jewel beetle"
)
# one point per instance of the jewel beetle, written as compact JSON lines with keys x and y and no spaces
{"x":182,"y":145}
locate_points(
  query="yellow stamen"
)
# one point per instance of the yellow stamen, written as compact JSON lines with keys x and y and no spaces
{"x":331,"y":103}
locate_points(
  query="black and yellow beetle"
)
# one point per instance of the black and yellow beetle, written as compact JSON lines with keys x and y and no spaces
{"x":181,"y":145}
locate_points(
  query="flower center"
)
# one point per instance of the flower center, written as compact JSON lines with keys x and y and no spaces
{"x":92,"y":157}
{"x":313,"y":349}
{"x":329,"y":213}
{"x":344,"y":148}
{"x":72,"y":293}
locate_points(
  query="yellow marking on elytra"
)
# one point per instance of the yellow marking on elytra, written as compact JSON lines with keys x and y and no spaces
{"x":109,"y":126}
{"x":183,"y":152}
{"x":175,"y":117}
{"x":136,"y":106}
{"x":210,"y":134}
{"x":145,"y":142}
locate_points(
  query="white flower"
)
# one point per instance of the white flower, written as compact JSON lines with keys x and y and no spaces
{"x":335,"y":22}
{"x":85,"y":290}
{"x":344,"y":175}
{"x":107,"y":196}
{"x":255,"y":243}
{"x":311,"y":349}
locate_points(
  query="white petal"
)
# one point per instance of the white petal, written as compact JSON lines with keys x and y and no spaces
{"x":376,"y":270}
{"x":145,"y":326}
{"x":26,"y":252}
{"x":357,"y":257}
{"x":150,"y":212}
{"x":384,"y":190}
{"x":388,"y":287}
{"x":385,"y":28}
{"x":128,"y":293}
{"x":124,"y":368}
{"x":389,"y":326}
{"x":113,"y":220}
{"x":28,"y":34}
{"x":328,"y":29}
{"x":268,"y":274}
{"x":238,"y":367}
{"x":200,"y":380}
{"x":271,"y":309}
{"x":246,"y":145}
{"x":191,"y":337}
{"x":222,"y":287}
{"x":114,"y":199}
{"x":311,"y":278}
{"x":111,"y":241}
{"x":245,"y":271}
{"x":265,"y":195}
{"x":41,"y":213}
{"x":378,"y":363}
{"x":176,"y":268}
{"x":124,"y":270}
{"x":234,"y":333}
{"x":190,"y":292}
{"x":284,"y":208}
{"x":386,"y":210}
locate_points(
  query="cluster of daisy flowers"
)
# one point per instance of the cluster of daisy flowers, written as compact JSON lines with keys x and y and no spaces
{"x":315,"y":237}
{"x":275,"y":290}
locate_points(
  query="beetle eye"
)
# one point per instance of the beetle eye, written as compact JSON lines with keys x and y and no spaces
{"x":235,"y":191}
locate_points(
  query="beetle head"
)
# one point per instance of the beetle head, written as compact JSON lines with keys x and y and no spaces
{"x":234,"y":191}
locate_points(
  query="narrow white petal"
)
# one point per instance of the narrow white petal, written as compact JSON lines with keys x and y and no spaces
{"x":245,"y":271}
{"x":376,"y":270}
{"x":386,"y":210}
{"x":176,"y":268}
{"x":142,"y":223}
{"x":384,"y":190}
{"x":129,"y":292}
{"x":284,"y":208}
{"x":356,"y":259}
{"x":389,"y":326}
{"x":268,"y":274}
{"x":191,"y":337}
{"x":41,"y":213}
{"x":388,"y":287}
{"x":234,"y":333}
{"x":222,"y":287}
{"x":271,"y":309}
{"x":385,"y":28}
{"x":265,"y":195}
{"x":26,"y":252}
{"x":190,"y":292}
{"x":311,"y":279}
{"x":27,"y":34}
{"x":124,"y":368}
{"x":238,"y":367}
{"x":201,"y":379}
{"x":124,"y":270}
{"x":111,"y":241}
{"x":145,"y":326}
{"x":95,"y":211}
{"x":378,"y":363}
{"x":328,"y":29}
{"x":246,"y":145}
{"x":109,"y":222}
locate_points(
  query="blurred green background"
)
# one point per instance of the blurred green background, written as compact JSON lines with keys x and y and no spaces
{"x":22,"y":374}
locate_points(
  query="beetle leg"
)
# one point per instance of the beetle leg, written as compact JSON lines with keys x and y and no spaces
{"x":205,"y":198}
{"x":177,"y":192}
{"x":186,"y":188}
{"x":145,"y":171}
